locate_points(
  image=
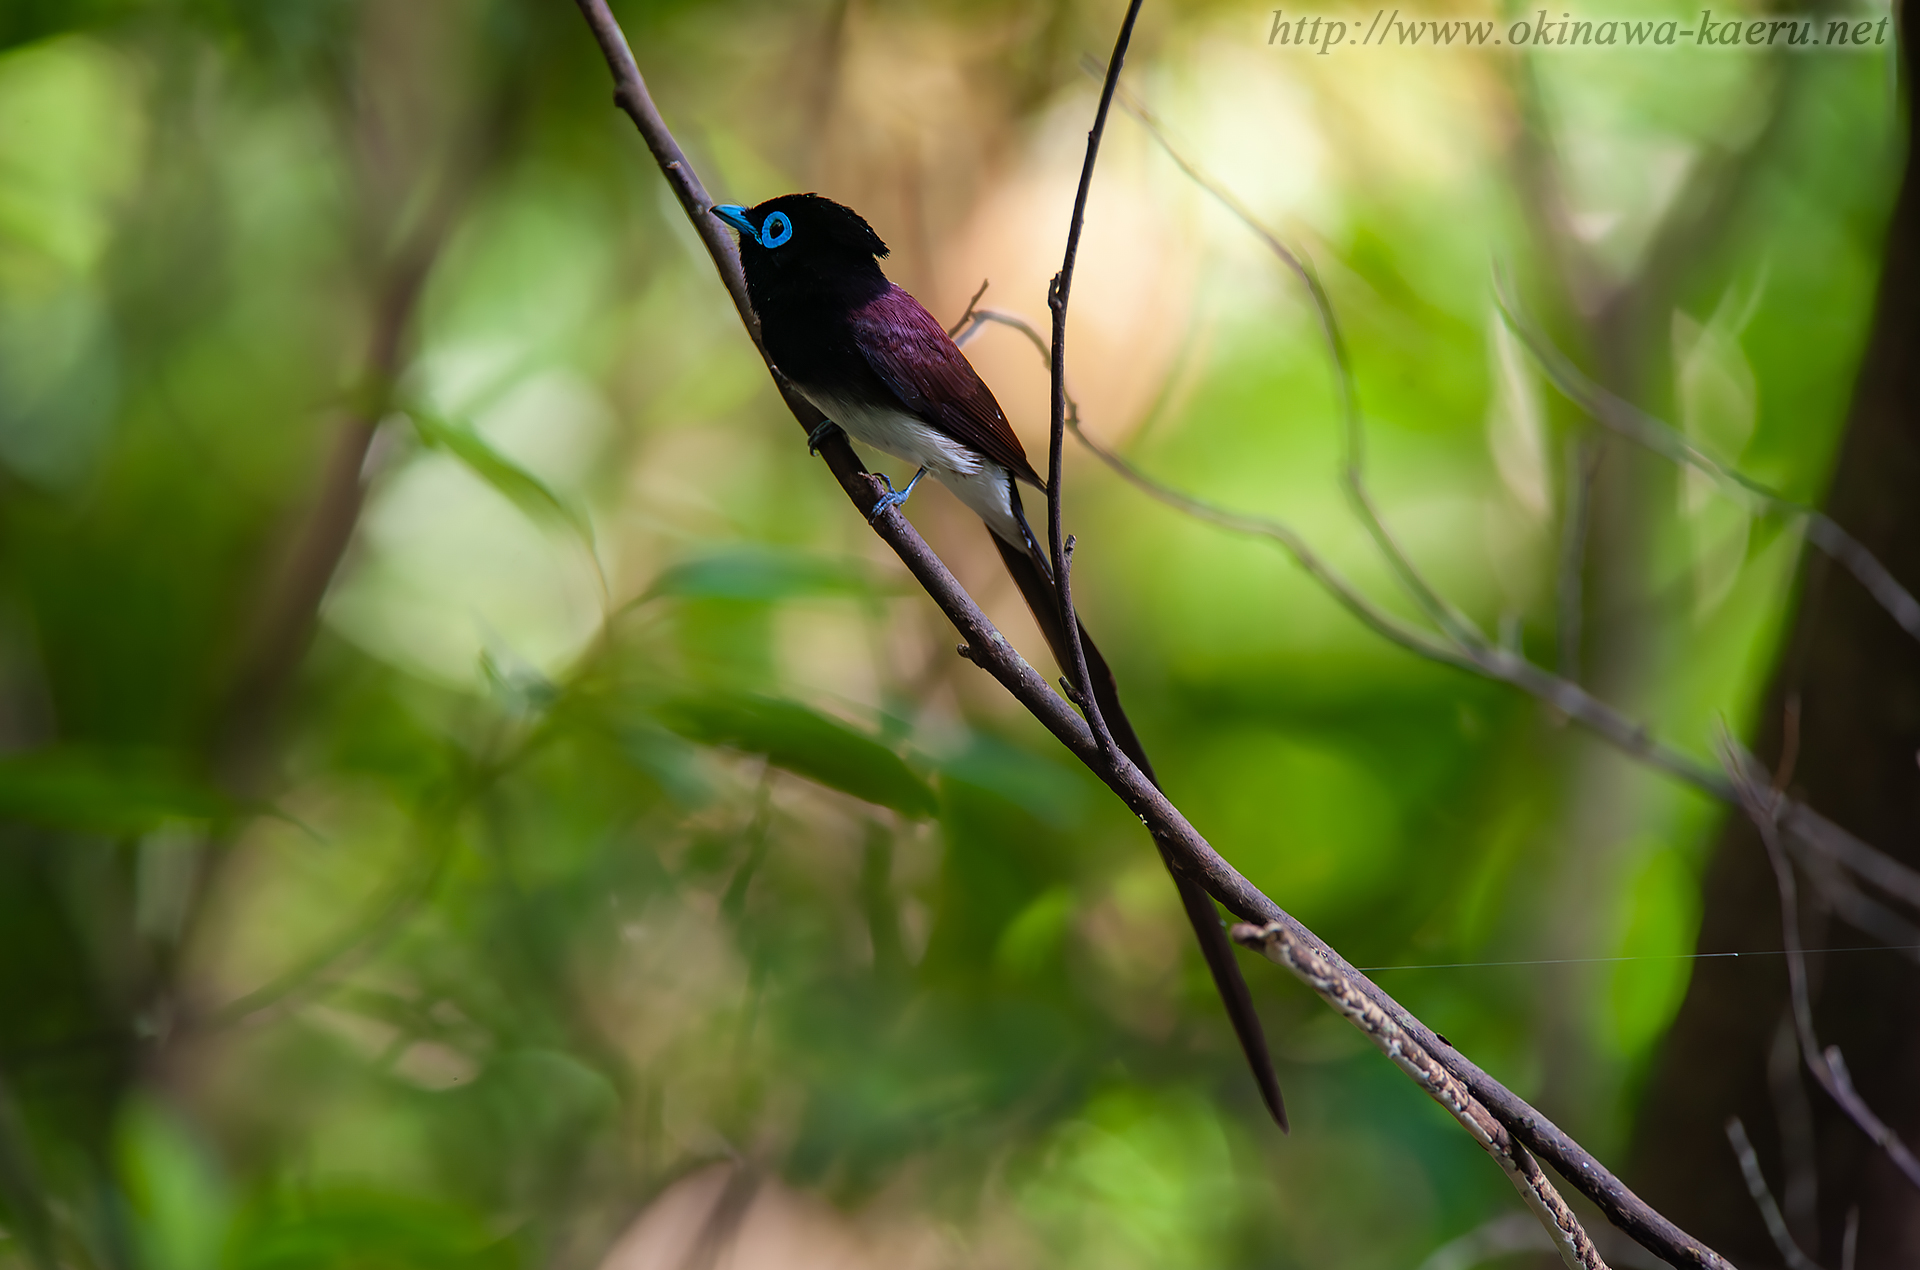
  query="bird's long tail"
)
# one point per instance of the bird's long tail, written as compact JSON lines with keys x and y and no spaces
{"x":1035,"y":581}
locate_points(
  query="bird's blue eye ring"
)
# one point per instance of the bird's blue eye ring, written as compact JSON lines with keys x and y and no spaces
{"x":775,"y":229}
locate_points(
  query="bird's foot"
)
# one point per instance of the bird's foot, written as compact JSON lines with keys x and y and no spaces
{"x":818,"y":437}
{"x":894,"y":497}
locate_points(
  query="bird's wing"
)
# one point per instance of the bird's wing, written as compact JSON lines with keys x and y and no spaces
{"x":914,"y":357}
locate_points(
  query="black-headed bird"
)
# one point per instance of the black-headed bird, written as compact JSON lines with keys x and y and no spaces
{"x":878,"y":365}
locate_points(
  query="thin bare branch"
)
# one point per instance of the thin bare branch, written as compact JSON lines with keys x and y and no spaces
{"x":281,"y":628}
{"x":1471,"y":648}
{"x":1059,"y":293}
{"x":1192,"y":854}
{"x":1856,"y":1108}
{"x":1852,"y":904}
{"x":1457,"y":625}
{"x":1763,"y":1198}
{"x":966,"y":321}
{"x":1492,"y":661}
{"x":1349,"y":596}
{"x":1799,"y":1144}
{"x":1570,"y":1240}
{"x":1762,"y":805}
{"x":1636,"y":425}
{"x":1890,"y":875}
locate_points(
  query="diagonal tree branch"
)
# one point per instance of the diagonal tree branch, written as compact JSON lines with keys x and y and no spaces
{"x":1813,"y":836}
{"x":280,"y":630}
{"x":1457,"y":625}
{"x":1348,"y":595}
{"x":1636,"y":425}
{"x":1569,"y":1238}
{"x":1472,"y":651}
{"x":988,"y":649}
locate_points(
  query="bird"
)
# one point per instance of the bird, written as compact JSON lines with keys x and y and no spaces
{"x":878,"y":366}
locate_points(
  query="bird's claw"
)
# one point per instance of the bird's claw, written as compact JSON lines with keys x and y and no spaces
{"x":818,"y":437}
{"x":893,"y":497}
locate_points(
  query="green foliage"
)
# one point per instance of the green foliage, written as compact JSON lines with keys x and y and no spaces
{"x":803,"y":742}
{"x":622,"y":808}
{"x":106,"y":792}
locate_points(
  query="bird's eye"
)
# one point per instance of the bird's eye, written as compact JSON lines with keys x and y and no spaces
{"x":775,"y":230}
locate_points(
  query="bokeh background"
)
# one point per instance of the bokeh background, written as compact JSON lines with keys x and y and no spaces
{"x":476,"y":795}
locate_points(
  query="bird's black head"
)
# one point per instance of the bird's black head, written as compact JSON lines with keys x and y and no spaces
{"x":803,"y":242}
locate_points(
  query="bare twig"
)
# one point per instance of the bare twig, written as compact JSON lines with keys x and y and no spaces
{"x":1763,"y":1199}
{"x":1508,"y":666}
{"x":1799,"y":1149}
{"x":1762,"y":806}
{"x":1191,"y":853}
{"x":1848,"y":901}
{"x":1338,"y":586}
{"x":1849,"y":1099}
{"x":1457,"y":625}
{"x":1569,"y":1238}
{"x":1636,"y":425}
{"x":1059,"y":292}
{"x":1477,"y":655}
{"x":1349,"y":596}
{"x":966,"y":321}
{"x":1472,"y":651}
{"x":1890,"y":875}
{"x":280,"y":630}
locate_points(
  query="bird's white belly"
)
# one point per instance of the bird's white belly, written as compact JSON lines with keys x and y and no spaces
{"x":975,"y":480}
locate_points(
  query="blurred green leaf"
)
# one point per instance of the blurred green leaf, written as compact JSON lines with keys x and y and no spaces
{"x":365,"y":1231}
{"x":1036,"y":785}
{"x":102,"y":791}
{"x":519,"y":486}
{"x":803,"y":742}
{"x":765,"y":573}
{"x":181,"y":1208}
{"x":667,"y":758}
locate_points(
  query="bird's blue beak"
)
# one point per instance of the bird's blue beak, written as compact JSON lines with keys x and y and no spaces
{"x":736,"y":216}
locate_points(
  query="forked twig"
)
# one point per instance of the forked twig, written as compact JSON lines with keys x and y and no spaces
{"x":1763,"y":805}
